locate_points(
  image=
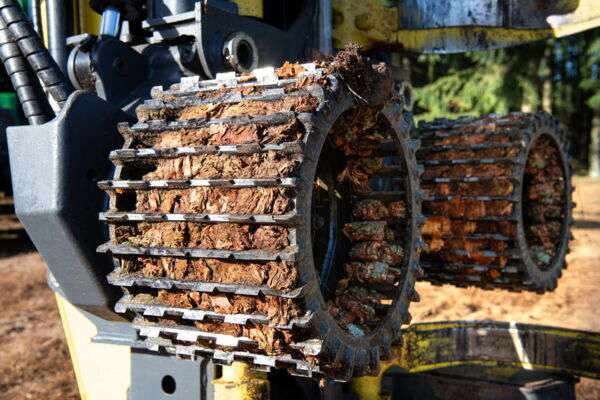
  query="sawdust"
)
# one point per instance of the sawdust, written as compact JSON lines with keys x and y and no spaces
{"x":272,"y":341}
{"x":492,"y":187}
{"x":278,"y":310}
{"x":377,"y":251}
{"x":366,"y":230}
{"x":358,"y":172}
{"x":204,"y":236}
{"x":220,"y":134}
{"x":472,"y":154}
{"x":270,"y":164}
{"x":371,"y":83}
{"x":372,"y":272}
{"x":278,"y":275}
{"x":260,"y":200}
{"x":370,"y":210}
{"x":462,"y":139}
{"x":467,"y":171}
{"x":459,"y":207}
{"x":297,"y":104}
{"x":289,"y":70}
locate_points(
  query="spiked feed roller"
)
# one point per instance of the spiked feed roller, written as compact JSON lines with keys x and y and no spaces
{"x":499,"y":206}
{"x":269,"y":218}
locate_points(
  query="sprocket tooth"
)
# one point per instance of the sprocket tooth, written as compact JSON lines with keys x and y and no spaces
{"x":385,"y":346}
{"x":414,"y":296}
{"x":361,"y":367}
{"x":374,"y":359}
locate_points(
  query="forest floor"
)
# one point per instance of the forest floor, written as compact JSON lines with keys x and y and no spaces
{"x":35,"y":361}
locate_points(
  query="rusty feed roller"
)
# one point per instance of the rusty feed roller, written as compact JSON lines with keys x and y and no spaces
{"x":243,"y":227}
{"x":499,"y":206}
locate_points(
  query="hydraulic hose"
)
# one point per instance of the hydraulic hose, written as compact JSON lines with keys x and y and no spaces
{"x":53,"y":80}
{"x":33,"y":101}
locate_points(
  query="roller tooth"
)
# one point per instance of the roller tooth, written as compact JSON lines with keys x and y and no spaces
{"x":414,"y":144}
{"x":385,"y":347}
{"x":417,"y":268}
{"x":414,"y":296}
{"x":418,"y":171}
{"x":421,"y":245}
{"x":360,"y":363}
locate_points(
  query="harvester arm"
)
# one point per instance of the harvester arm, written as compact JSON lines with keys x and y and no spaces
{"x":446,"y":26}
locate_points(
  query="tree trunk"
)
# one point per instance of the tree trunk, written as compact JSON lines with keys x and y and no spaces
{"x":526,"y":108}
{"x":594,"y":152}
{"x":547,"y":95}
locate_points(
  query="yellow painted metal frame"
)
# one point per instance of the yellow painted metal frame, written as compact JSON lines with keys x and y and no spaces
{"x":239,"y":382}
{"x":250,"y":8}
{"x":87,"y":20}
{"x":420,"y":353}
{"x":103,"y":371}
{"x":370,"y":24}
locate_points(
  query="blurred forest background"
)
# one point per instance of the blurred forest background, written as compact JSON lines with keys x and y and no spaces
{"x":561,"y":76}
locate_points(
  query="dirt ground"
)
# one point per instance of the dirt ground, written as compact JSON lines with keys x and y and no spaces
{"x":34,"y":362}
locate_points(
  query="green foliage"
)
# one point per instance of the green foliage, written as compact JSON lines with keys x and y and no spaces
{"x":591,"y":81}
{"x":560,"y":75}
{"x":496,"y":81}
{"x":468,"y":91}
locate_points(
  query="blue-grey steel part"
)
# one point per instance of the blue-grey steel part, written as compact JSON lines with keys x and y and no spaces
{"x":108,"y":332}
{"x":514,"y":14}
{"x":110,"y":24}
{"x":54,"y":168}
{"x":162,"y":377}
{"x":274,"y":46}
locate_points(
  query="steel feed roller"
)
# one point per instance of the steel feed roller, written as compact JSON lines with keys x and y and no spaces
{"x":271,"y":218}
{"x":499,"y":206}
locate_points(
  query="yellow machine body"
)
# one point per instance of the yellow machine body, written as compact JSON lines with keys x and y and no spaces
{"x":373,"y":25}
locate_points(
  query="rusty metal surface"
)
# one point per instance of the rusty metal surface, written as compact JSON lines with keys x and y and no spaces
{"x":460,"y":383}
{"x":431,"y":346}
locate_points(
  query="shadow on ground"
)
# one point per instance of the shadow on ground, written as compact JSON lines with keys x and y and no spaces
{"x":13,"y":242}
{"x":587,"y":224}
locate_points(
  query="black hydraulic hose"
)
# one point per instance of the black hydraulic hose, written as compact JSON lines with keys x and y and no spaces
{"x":31,"y":96}
{"x":44,"y":66}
